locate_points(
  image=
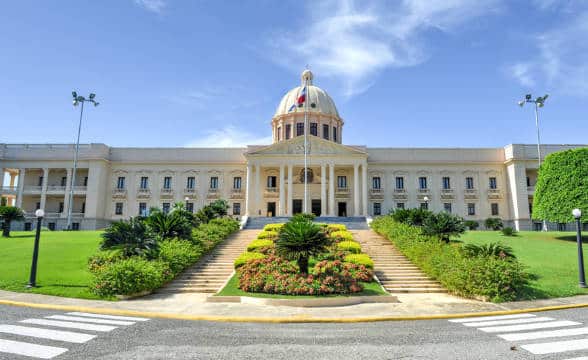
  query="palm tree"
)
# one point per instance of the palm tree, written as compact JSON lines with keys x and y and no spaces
{"x":8,"y":214}
{"x":299,"y":240}
{"x":131,"y":237}
{"x":169,"y":225}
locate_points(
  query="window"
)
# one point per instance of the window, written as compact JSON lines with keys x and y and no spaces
{"x":446,"y":183}
{"x":190,"y":182}
{"x":118,"y":208}
{"x":377,"y":209}
{"x":83,"y":208}
{"x":167,"y":182}
{"x":190,"y":206}
{"x":236,"y":208}
{"x":424,"y":205}
{"x":342,"y":182}
{"x":537,"y":226}
{"x":422,"y":183}
{"x":272,"y":182}
{"x":63,"y":180}
{"x":40,"y":183}
{"x":471,"y":209}
{"x":75,"y":226}
{"x":306,"y":176}
{"x":492,"y":183}
{"x":334,"y":134}
{"x":528,"y":181}
{"x":60,"y":207}
{"x":299,"y":129}
{"x":531,"y":209}
{"x":288,"y":131}
{"x":561,"y":227}
{"x":399,"y":183}
{"x":142,"y":209}
{"x":37,"y":206}
{"x":314,"y":129}
{"x":376,"y":183}
{"x":279,"y":133}
{"x":214,"y":182}
{"x":400,"y":205}
{"x":51,"y":226}
{"x":469,"y":183}
{"x":28,"y":226}
{"x":120,"y":183}
{"x":144,"y":182}
{"x":165,"y":207}
{"x":85,"y":181}
{"x":494,"y":209}
{"x":325,"y":131}
{"x":447,"y":207}
{"x":237,"y":182}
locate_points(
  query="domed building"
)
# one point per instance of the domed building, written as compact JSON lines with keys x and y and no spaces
{"x":329,"y":179}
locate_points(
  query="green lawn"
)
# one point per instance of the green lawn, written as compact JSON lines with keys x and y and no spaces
{"x":550,"y":257}
{"x":61,"y":269}
{"x":232,"y":289}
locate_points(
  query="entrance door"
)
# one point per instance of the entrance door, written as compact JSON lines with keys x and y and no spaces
{"x":342,"y":209}
{"x":271,"y":209}
{"x":296,"y":207}
{"x":316,"y":207}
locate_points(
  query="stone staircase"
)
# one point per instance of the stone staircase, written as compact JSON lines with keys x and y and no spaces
{"x":394,"y":271}
{"x":212,"y":272}
{"x":352,"y":223}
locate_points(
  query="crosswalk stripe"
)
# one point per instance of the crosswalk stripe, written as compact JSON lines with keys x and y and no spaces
{"x":111,"y":317}
{"x":545,"y":334}
{"x":67,"y":324}
{"x":578,"y":358}
{"x":489,"y":318}
{"x":59,"y":335}
{"x":508,"y":322}
{"x":28,"y":349}
{"x":541,"y":325}
{"x":90,"y":320}
{"x":556,"y":347}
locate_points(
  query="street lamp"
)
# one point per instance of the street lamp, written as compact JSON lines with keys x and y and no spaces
{"x":76,"y":101}
{"x":426,"y":200}
{"x":578,"y":215}
{"x":539,"y":102}
{"x":33,"y":277}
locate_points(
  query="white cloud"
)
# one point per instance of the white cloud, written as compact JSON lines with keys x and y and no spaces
{"x":155,"y":6}
{"x":229,"y":136}
{"x":355,"y":42}
{"x":522,"y":72}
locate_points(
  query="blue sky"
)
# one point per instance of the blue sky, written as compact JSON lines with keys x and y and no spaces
{"x":211,"y":73}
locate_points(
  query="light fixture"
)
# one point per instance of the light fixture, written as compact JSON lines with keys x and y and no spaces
{"x":92,"y":96}
{"x":521,"y":103}
{"x":577,"y":213}
{"x":40,"y":213}
{"x":426,"y":199}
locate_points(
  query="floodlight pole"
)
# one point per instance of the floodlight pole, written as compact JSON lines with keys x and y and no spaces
{"x":75,"y":168}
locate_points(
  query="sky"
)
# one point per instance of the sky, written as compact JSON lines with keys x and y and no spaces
{"x":404,"y":73}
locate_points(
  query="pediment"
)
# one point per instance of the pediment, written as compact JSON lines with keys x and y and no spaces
{"x":317,"y":146}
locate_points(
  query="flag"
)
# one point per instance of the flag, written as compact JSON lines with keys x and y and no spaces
{"x":302,"y":96}
{"x":292,"y":108}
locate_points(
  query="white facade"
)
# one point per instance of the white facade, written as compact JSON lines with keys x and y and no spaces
{"x":116,"y":183}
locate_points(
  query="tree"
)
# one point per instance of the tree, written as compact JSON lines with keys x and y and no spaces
{"x":8,"y":214}
{"x":562,"y":186}
{"x":216,"y":209}
{"x":176,"y":223}
{"x":299,"y":240}
{"x":415,"y":217}
{"x":132,"y":237}
{"x":493,"y":223}
{"x":443,"y":225}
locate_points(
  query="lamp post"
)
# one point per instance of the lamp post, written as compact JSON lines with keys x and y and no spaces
{"x":539,"y":102}
{"x":76,"y":101}
{"x":426,"y":199}
{"x":33,"y":277}
{"x":578,"y":215}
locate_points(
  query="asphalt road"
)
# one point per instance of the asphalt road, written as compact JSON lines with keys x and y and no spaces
{"x":178,"y":339}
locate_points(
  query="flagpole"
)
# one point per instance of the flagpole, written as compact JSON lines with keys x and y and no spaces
{"x":305,"y":172}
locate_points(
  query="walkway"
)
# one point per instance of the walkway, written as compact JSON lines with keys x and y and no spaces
{"x":213,"y":271}
{"x":394,"y":271}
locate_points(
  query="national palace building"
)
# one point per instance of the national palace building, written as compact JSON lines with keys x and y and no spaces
{"x":114,"y":183}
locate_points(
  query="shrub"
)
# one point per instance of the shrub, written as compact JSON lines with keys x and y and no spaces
{"x":179,"y":254}
{"x":266,"y":234}
{"x":257,"y":245}
{"x":132,"y":237}
{"x":350,"y":246}
{"x":341,"y":235}
{"x":216,"y":209}
{"x":493,"y":223}
{"x":496,"y":250}
{"x":273,"y":227}
{"x":103,"y":258}
{"x":336,"y":227}
{"x":130,"y":276}
{"x":508,"y":231}
{"x":414,"y":217}
{"x":360,"y":259}
{"x":210,"y":234}
{"x":299,"y":240}
{"x":303,"y":217}
{"x":8,"y":214}
{"x":471,"y":224}
{"x":443,"y":225}
{"x":176,"y":223}
{"x":245,"y":257}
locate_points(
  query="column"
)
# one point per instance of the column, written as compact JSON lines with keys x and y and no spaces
{"x":44,"y":188}
{"x":1,"y":180}
{"x":248,"y":190}
{"x":323,"y":190}
{"x":258,"y":191}
{"x":19,"y":193}
{"x":332,"y":190}
{"x":364,"y":182}
{"x":355,"y":189}
{"x":67,"y":191}
{"x":282,"y":189}
{"x":289,"y":205}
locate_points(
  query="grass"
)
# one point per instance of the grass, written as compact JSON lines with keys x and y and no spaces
{"x":550,"y":257}
{"x":62,"y":265}
{"x":232,"y":289}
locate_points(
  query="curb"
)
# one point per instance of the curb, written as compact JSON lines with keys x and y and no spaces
{"x":284,"y":319}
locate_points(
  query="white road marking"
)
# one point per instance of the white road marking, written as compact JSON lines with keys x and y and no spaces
{"x":508,"y":322}
{"x":28,"y":349}
{"x":67,"y":324}
{"x":90,"y":320}
{"x":489,"y":318}
{"x":541,"y":325}
{"x":545,"y":334}
{"x":557,"y":346}
{"x":578,"y":358}
{"x":111,"y":317}
{"x":59,"y":335}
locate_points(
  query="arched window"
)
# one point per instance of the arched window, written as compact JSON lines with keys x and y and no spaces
{"x":309,"y":175}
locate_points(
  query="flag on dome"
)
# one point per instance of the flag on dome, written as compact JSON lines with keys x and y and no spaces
{"x":292,"y":108}
{"x":302,"y":96}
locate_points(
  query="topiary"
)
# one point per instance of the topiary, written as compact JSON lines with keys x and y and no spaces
{"x":342,"y":235}
{"x":508,"y":231}
{"x":256,"y":245}
{"x":350,"y":246}
{"x":336,"y":227}
{"x":273,"y":227}
{"x":267,"y":234}
{"x":245,"y":257}
{"x":360,"y":259}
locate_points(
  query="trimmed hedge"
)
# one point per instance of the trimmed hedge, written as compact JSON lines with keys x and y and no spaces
{"x":341,"y":235}
{"x":350,"y":246}
{"x":492,"y":278}
{"x":271,"y":235}
{"x":273,"y":227}
{"x":179,"y":254}
{"x":336,"y":227}
{"x":246,"y":256}
{"x":259,"y":244}
{"x":360,"y":259}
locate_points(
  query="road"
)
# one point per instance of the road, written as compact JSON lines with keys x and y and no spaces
{"x":61,"y":335}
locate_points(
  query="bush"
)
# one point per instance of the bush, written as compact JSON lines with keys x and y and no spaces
{"x":132,"y":237}
{"x":360,"y":259}
{"x":341,"y":235}
{"x":443,"y":225}
{"x":508,"y":231}
{"x":103,"y":258}
{"x":336,"y":227}
{"x":303,"y":217}
{"x":179,"y":254}
{"x":301,"y":239}
{"x":267,"y":234}
{"x":471,"y":224}
{"x":246,"y":257}
{"x":176,"y":223}
{"x":210,"y":234}
{"x":493,"y":223}
{"x":496,"y":250}
{"x":130,"y":276}
{"x":257,"y":245}
{"x":350,"y":246}
{"x":273,"y":227}
{"x":414,"y":217}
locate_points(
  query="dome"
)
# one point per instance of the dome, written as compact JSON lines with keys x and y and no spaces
{"x":318,"y":99}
